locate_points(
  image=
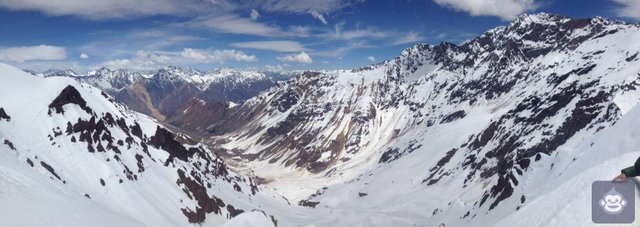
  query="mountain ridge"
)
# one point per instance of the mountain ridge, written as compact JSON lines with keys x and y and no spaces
{"x":166,"y":93}
{"x":549,"y":77}
{"x":88,"y":152}
{"x":509,"y":128}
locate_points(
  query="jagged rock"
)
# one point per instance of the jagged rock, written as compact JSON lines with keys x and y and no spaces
{"x":522,"y":76}
{"x":69,"y":95}
{"x":206,"y":204}
{"x":165,"y":140}
{"x":10,"y":144}
{"x":50,"y":169}
{"x":3,"y":115}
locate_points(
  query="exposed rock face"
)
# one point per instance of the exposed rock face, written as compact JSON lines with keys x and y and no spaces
{"x":48,"y":168}
{"x":170,"y":95}
{"x":206,"y":204}
{"x":4,"y":115}
{"x":477,"y":122}
{"x":196,"y":115}
{"x":69,"y":95}
{"x":165,"y":93}
{"x":137,"y":98}
{"x":91,"y":140}
{"x":164,"y":140}
{"x":9,"y":144}
{"x":531,"y":86}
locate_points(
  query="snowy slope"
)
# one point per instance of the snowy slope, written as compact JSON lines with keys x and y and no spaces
{"x":72,"y":156}
{"x":510,"y":128}
{"x":444,"y":133}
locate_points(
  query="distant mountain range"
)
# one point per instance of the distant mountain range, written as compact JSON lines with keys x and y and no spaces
{"x":170,"y":93}
{"x":510,"y":128}
{"x":75,"y":155}
{"x":455,"y":134}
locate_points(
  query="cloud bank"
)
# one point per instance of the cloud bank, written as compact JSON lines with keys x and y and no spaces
{"x":279,"y":45}
{"x":505,"y":9}
{"x":629,"y":8}
{"x":32,"y":53}
{"x":302,"y":57}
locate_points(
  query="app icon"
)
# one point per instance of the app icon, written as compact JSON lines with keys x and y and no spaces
{"x":613,"y":202}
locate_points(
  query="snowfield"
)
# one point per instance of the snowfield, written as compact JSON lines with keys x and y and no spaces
{"x":52,"y":175}
{"x":508,"y":129}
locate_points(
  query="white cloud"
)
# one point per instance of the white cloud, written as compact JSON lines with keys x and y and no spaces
{"x":123,"y":45}
{"x":411,"y":37}
{"x":339,"y":33}
{"x":201,"y":56}
{"x":371,"y":58}
{"x":31,"y":53}
{"x":299,"y":31}
{"x":318,"y":16}
{"x":144,"y":60}
{"x":110,"y":9}
{"x":442,"y":35}
{"x":343,"y":50}
{"x":84,"y":56}
{"x":302,"y":6}
{"x":302,"y":57}
{"x":505,"y":9}
{"x":128,"y":64}
{"x":107,"y":9}
{"x":235,"y":25}
{"x":276,"y":67}
{"x":280,"y":45}
{"x":629,"y":8}
{"x":41,"y":66}
{"x":254,"y":14}
{"x":161,"y":35}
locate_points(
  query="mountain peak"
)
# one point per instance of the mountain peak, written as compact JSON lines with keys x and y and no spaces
{"x":104,"y":68}
{"x":540,"y":18}
{"x":550,"y":19}
{"x":59,"y":72}
{"x":172,"y":67}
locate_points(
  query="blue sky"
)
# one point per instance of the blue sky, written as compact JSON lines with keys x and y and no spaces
{"x":254,"y":34}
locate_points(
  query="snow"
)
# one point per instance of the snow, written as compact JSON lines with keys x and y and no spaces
{"x":395,"y":192}
{"x":627,"y":100}
{"x":361,"y":191}
{"x":33,"y":196}
{"x":565,"y":198}
{"x":115,"y":80}
{"x":249,"y":219}
{"x":29,"y":198}
{"x":203,"y":80}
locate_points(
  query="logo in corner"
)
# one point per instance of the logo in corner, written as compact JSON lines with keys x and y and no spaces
{"x":613,"y":202}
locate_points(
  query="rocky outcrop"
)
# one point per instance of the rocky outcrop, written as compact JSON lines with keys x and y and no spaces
{"x":4,"y":115}
{"x":542,"y":80}
{"x":69,"y":95}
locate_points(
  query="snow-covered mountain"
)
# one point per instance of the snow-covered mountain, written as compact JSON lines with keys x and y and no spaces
{"x":508,"y":129}
{"x":454,"y":134}
{"x":57,"y":72}
{"x":72,"y":156}
{"x":166,"y":95}
{"x":111,"y":81}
